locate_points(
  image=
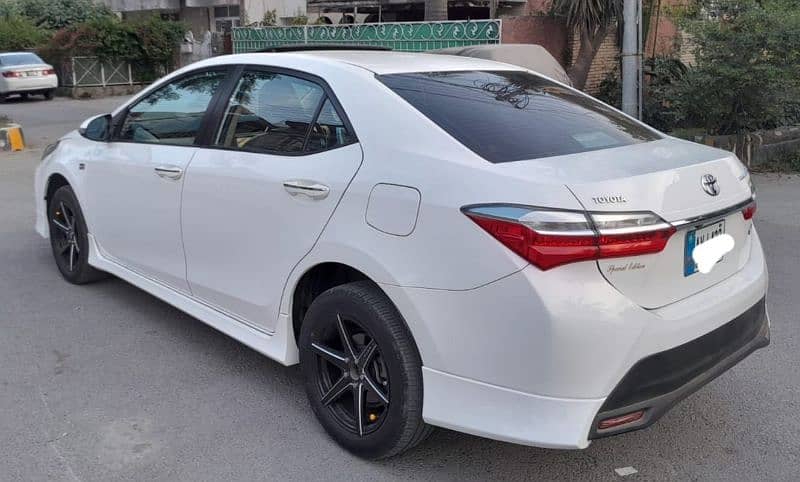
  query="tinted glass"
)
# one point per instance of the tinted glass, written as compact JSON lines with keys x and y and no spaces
{"x":20,"y":59}
{"x":510,"y":116}
{"x":172,"y":114}
{"x":270,"y":113}
{"x":328,"y":131}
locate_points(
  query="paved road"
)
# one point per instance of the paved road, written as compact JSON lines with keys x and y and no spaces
{"x":45,"y":121}
{"x":104,"y":382}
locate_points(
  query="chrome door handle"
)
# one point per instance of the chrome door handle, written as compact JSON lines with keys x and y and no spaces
{"x":169,"y":172}
{"x":311,"y":189}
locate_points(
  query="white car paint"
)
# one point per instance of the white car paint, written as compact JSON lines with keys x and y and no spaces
{"x":509,"y":351}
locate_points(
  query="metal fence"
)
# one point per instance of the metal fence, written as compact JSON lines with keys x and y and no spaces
{"x":406,"y":36}
{"x":92,"y":72}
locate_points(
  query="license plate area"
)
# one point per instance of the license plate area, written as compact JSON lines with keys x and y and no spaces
{"x":696,"y":237}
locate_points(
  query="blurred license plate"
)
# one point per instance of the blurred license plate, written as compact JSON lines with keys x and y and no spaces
{"x":696,"y":237}
{"x":33,"y":73}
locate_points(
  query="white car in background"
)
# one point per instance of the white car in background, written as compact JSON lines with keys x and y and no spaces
{"x":437,"y":240}
{"x":24,"y":73}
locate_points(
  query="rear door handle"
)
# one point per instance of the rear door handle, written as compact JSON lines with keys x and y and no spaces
{"x":311,"y":189}
{"x":169,"y":172}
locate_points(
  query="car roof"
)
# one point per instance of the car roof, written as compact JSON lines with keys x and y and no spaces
{"x":379,"y":62}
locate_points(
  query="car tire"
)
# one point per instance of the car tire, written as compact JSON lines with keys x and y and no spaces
{"x":69,"y":238}
{"x":48,"y":95}
{"x":3,"y":98}
{"x":380,"y":371}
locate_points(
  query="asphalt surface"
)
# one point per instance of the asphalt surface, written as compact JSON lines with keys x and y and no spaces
{"x":104,"y":382}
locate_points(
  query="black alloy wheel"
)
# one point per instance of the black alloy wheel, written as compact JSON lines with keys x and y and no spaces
{"x":69,"y":238}
{"x":351,"y":376}
{"x":362,"y":371}
{"x":65,"y":239}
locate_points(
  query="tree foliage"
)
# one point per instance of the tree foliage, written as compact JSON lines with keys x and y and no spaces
{"x":19,"y":33}
{"x":147,"y":44}
{"x":57,"y":14}
{"x":661,"y":75}
{"x":747,"y":71}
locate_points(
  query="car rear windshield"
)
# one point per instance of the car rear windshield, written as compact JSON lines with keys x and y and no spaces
{"x":20,"y":59}
{"x":506,"y":116}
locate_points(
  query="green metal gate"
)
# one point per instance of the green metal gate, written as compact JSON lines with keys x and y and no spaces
{"x":406,"y":36}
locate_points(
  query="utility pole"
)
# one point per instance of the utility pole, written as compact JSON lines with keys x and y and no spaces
{"x":631,"y":57}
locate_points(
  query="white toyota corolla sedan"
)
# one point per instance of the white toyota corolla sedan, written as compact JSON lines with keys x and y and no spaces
{"x":437,"y":240}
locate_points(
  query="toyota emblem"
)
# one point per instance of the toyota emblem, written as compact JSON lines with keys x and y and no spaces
{"x":710,"y":185}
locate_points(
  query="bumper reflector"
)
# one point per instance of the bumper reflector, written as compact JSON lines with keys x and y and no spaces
{"x":621,"y":420}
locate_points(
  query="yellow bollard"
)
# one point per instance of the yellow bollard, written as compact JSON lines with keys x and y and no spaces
{"x":11,"y":138}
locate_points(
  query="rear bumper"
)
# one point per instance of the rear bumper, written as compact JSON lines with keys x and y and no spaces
{"x":533,"y":358}
{"x":659,"y":381}
{"x":10,"y":86}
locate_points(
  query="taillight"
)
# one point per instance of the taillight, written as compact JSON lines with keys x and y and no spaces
{"x":48,"y":72}
{"x":750,"y":210}
{"x":549,"y":238}
{"x":11,"y":73}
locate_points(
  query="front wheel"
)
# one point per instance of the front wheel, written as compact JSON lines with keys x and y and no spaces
{"x":362,"y":370}
{"x":69,"y":238}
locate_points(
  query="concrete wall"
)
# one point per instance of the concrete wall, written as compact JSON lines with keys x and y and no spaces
{"x":198,"y":19}
{"x":285,"y":9}
{"x":549,"y":32}
{"x":137,"y":5}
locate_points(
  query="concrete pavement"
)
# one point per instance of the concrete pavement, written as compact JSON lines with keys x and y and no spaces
{"x":104,"y":382}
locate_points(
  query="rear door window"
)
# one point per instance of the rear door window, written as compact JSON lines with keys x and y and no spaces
{"x":506,"y":116}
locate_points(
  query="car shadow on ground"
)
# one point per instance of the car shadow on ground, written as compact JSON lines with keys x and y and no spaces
{"x":18,"y":99}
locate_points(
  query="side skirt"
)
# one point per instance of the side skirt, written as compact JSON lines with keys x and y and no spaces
{"x":279,"y":345}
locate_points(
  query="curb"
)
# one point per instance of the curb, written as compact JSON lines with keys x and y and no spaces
{"x":11,"y":138}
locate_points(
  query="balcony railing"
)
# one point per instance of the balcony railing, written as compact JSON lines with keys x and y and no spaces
{"x":405,"y":36}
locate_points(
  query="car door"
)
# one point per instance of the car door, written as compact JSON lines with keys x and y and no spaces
{"x":255,"y":203}
{"x":134,"y":182}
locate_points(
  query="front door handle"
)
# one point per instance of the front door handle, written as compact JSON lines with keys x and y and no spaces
{"x":311,"y":189}
{"x":169,"y":172}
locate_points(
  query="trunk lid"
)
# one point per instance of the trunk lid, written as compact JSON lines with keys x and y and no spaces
{"x":664,"y":177}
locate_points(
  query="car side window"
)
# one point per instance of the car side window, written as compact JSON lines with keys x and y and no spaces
{"x":274,"y":113}
{"x":172,"y":114}
{"x":328,"y":131}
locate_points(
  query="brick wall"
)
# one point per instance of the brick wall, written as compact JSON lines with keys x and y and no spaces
{"x":549,"y":32}
{"x":605,"y":61}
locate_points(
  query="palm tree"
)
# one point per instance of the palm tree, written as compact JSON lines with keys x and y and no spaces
{"x":592,"y":20}
{"x":435,"y":10}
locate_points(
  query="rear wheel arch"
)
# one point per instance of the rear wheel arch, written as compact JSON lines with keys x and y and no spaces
{"x":315,"y":281}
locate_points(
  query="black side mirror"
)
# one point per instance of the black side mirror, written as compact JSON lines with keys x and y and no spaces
{"x":97,"y":128}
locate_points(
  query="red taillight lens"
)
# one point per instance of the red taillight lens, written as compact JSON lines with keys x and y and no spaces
{"x":749,"y":211}
{"x":12,"y":73}
{"x":48,"y":72}
{"x":549,"y":238}
{"x":543,"y":250}
{"x":633,"y":244}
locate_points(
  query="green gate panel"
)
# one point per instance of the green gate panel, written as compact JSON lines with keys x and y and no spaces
{"x":405,"y":36}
